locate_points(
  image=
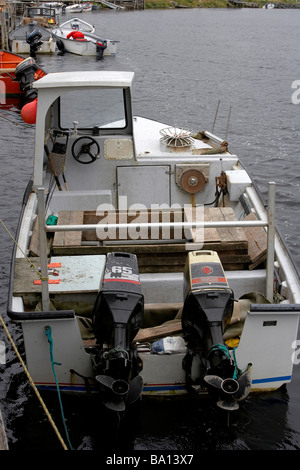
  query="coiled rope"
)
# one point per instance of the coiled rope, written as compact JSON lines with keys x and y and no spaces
{"x":34,"y":386}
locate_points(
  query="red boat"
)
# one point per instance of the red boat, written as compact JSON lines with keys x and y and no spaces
{"x":16,"y":85}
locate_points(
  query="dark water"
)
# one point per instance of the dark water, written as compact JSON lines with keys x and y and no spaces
{"x":185,"y":61}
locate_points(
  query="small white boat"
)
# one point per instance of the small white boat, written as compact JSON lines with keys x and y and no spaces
{"x":146,"y":261}
{"x":87,"y":7}
{"x":32,"y":39}
{"x":75,"y":8}
{"x":76,"y":24}
{"x":58,"y":6}
{"x":87,"y":43}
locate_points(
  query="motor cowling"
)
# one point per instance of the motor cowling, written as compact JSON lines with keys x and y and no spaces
{"x":24,"y":74}
{"x":117,"y":318}
{"x":34,"y":41}
{"x":207,"y":310}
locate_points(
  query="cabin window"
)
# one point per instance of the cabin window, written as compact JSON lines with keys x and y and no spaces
{"x":102,"y":108}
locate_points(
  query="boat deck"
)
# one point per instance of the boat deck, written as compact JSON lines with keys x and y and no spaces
{"x":238,"y":248}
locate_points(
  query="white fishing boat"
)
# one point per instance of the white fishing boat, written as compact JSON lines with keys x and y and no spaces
{"x":76,"y":24}
{"x":146,"y":261}
{"x":78,"y":37}
{"x":75,"y":8}
{"x":32,"y":39}
{"x":57,"y":6}
{"x":86,"y":7}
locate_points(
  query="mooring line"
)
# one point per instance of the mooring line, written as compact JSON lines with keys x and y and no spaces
{"x":34,"y":386}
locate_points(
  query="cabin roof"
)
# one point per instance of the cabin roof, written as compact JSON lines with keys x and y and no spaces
{"x":80,"y":79}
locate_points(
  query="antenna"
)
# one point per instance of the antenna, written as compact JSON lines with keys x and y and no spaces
{"x":228,"y":123}
{"x":217,"y":110}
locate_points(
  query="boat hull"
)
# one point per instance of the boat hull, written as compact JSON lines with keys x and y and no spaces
{"x":85,"y":48}
{"x":9,"y":87}
{"x":22,"y":47}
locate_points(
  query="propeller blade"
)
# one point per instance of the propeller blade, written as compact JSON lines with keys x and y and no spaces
{"x":244,"y":382}
{"x":115,"y":405}
{"x":214,"y":380}
{"x":230,"y":405}
{"x":105,"y":380}
{"x":135,"y":389}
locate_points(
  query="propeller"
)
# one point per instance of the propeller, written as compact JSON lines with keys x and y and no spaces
{"x":232,"y":390}
{"x":122,"y":392}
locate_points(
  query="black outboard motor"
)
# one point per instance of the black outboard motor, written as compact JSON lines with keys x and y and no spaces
{"x":100,"y":48}
{"x":117,"y":318}
{"x":24,"y":74}
{"x":34,"y":41}
{"x":207,"y":309}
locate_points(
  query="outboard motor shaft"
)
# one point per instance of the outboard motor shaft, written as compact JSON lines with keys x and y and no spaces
{"x":207,"y":310}
{"x":117,"y":317}
{"x":100,"y":48}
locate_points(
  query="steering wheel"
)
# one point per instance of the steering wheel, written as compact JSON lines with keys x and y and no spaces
{"x":88,"y":152}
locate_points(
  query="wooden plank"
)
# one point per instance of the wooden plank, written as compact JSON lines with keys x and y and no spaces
{"x":224,"y":236}
{"x":172,"y":327}
{"x":69,"y":238}
{"x":163,"y":215}
{"x":257,"y":239}
{"x":34,"y":245}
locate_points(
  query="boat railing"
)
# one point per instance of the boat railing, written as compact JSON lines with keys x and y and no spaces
{"x":269,"y":223}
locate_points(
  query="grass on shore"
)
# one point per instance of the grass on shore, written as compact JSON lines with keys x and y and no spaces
{"x":162,"y":4}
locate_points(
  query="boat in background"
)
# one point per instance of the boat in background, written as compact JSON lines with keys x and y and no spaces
{"x":146,"y":261}
{"x":17,"y":73}
{"x":42,"y":16}
{"x":76,"y":24}
{"x":31,"y":39}
{"x":58,"y":6}
{"x":87,"y":7}
{"x":78,"y":37}
{"x":75,"y":8}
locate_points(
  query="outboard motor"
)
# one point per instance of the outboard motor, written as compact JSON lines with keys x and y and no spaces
{"x":117,"y":317}
{"x":207,"y":310}
{"x":24,"y":74}
{"x":100,"y":48}
{"x":34,"y":41}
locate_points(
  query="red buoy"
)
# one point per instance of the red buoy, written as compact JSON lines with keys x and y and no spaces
{"x":28,"y":112}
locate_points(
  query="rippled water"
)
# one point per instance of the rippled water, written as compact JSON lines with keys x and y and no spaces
{"x":184,"y":61}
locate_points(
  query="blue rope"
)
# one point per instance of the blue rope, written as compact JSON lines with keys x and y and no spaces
{"x":53,"y":363}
